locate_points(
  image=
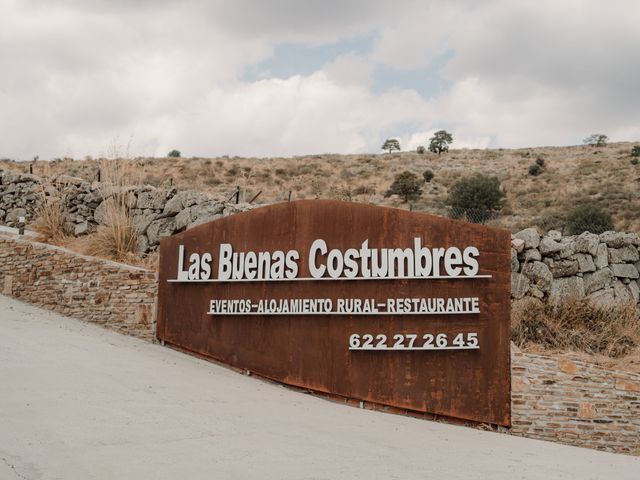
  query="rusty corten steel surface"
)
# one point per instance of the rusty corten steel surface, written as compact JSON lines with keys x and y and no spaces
{"x":311,"y":351}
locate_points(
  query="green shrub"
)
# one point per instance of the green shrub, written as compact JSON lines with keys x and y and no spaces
{"x":477,"y":198}
{"x":535,"y":169}
{"x":427,"y":175}
{"x":634,"y":161}
{"x":174,"y":154}
{"x":421,"y":150}
{"x":540,"y":161}
{"x":588,"y":217}
{"x":406,"y":185}
{"x":635,"y":151}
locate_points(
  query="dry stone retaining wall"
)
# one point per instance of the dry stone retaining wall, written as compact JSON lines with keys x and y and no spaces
{"x":566,"y":400}
{"x":604,"y":268}
{"x":116,"y":296}
{"x":155,"y":212}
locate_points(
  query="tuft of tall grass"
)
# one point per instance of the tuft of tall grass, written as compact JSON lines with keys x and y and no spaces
{"x":49,"y":220}
{"x":577,"y":325}
{"x":116,"y":239}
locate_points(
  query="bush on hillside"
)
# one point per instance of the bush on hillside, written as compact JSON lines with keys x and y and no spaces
{"x":589,"y":217}
{"x":427,"y":175}
{"x":406,"y":185}
{"x":174,"y":154}
{"x":421,"y":150}
{"x":535,"y":169}
{"x":477,"y":198}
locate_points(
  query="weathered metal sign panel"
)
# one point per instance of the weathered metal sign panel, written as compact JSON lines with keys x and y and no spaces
{"x":376,"y":304}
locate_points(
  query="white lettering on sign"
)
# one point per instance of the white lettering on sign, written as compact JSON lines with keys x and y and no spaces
{"x":346,"y":306}
{"x":364,"y":263}
{"x":199,"y":266}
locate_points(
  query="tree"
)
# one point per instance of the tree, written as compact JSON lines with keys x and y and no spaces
{"x":174,"y":153}
{"x":477,"y":198}
{"x":588,"y":217}
{"x":421,"y":150}
{"x":405,"y":184}
{"x":391,"y":144}
{"x":440,"y":142}
{"x":596,"y":139}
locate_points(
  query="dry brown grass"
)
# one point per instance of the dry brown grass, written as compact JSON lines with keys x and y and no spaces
{"x":577,"y":325}
{"x":572,"y":174}
{"x":116,"y":239}
{"x":49,"y":221}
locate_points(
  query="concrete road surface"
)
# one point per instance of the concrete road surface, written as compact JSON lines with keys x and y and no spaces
{"x":80,"y":402}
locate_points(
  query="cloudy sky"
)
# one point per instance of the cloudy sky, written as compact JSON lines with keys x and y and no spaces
{"x":289,"y":77}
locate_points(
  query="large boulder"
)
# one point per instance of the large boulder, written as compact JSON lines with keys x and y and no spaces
{"x":81,"y":229}
{"x":518,"y":245}
{"x":568,"y":248}
{"x":619,"y":239}
{"x":539,"y":275}
{"x":530,"y":255}
{"x":206,"y":212}
{"x":160,"y":228}
{"x":562,"y":268}
{"x":530,"y":236}
{"x":519,"y":285}
{"x":142,"y":244}
{"x":100,"y":214}
{"x":587,"y":243}
{"x":623,"y":254}
{"x":142,"y":220}
{"x":585,"y":262}
{"x":182,"y":200}
{"x":625,"y":293}
{"x":624,"y":270}
{"x":598,"y":280}
{"x":183,"y":219}
{"x":603,"y":298}
{"x":549,"y":246}
{"x":144,"y":199}
{"x":515,"y":265}
{"x":601,"y":258}
{"x":565,"y":289}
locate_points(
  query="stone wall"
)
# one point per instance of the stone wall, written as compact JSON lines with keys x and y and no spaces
{"x":155,"y":212}
{"x":565,"y":400}
{"x":604,"y":268}
{"x":117,"y":296}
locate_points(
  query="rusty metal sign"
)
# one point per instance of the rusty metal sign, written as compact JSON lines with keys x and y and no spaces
{"x":369,"y":303}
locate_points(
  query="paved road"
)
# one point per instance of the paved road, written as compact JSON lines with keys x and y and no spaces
{"x":79,"y":402}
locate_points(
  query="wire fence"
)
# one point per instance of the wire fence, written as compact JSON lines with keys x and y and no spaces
{"x":514,"y":223}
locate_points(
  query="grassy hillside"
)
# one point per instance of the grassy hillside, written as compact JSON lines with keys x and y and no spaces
{"x":571,"y":176}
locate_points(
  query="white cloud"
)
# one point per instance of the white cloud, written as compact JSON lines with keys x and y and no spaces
{"x":78,"y":74}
